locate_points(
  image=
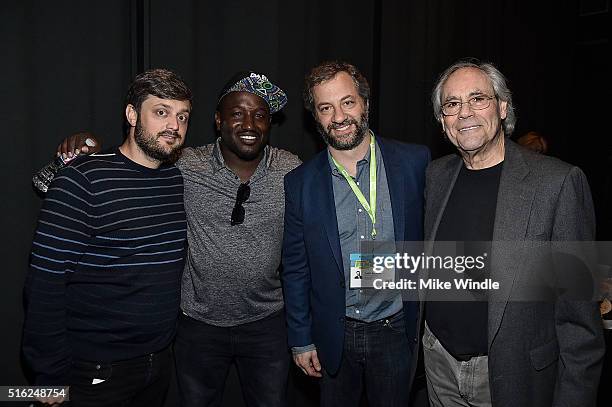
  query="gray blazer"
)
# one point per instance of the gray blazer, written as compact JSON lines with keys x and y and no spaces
{"x":540,"y":353}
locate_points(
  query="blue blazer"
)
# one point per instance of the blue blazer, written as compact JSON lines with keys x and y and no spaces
{"x":313,"y":271}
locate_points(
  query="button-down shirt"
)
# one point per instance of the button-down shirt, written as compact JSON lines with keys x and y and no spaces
{"x":355,"y":227}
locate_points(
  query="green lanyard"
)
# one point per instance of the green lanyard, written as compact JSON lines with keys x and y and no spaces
{"x":370,"y":208}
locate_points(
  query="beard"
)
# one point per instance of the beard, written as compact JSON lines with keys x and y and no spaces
{"x":249,"y":155}
{"x":352,"y":140}
{"x":148,"y":144}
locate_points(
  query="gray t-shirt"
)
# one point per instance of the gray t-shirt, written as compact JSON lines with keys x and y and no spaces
{"x":231,"y":274}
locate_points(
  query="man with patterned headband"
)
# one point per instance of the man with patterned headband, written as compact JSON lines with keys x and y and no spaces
{"x":231,"y":293}
{"x":231,"y":298}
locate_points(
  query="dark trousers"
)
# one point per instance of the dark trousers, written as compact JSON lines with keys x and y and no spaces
{"x":204,"y":354}
{"x":376,"y":358}
{"x":141,"y":381}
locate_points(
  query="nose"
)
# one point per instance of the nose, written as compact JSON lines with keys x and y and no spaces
{"x":248,"y":121}
{"x":172,"y":123}
{"x":339,"y":115}
{"x":465,"y":111}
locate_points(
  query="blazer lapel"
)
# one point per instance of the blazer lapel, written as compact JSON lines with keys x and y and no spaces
{"x":323,"y":192}
{"x":397,"y":189}
{"x":514,"y":201}
{"x":438,"y":193}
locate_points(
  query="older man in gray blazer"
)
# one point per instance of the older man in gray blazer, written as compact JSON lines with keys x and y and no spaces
{"x":498,"y":351}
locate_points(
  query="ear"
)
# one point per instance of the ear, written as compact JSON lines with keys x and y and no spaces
{"x":218,"y":120}
{"x":503,"y":109}
{"x":442,"y":122}
{"x":131,"y":115}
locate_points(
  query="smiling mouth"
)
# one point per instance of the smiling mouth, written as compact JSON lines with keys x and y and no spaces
{"x":248,"y":138}
{"x":342,"y":130}
{"x":468,"y":128}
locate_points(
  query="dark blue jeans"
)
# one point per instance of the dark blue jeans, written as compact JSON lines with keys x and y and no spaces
{"x":376,"y":358}
{"x":204,"y":354}
{"x":141,"y":381}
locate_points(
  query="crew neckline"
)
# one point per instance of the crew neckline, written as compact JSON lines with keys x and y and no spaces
{"x":137,"y":166}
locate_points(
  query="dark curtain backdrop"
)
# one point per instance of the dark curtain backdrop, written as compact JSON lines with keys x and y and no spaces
{"x":66,"y":66}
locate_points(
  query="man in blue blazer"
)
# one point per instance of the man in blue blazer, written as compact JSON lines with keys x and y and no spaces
{"x":361,"y":188}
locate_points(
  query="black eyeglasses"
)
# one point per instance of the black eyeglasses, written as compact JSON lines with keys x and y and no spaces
{"x":244,"y":191}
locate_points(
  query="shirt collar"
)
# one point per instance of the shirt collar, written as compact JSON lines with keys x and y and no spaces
{"x":363,"y":161}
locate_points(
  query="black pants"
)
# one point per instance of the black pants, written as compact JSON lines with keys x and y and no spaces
{"x":142,"y":381}
{"x":204,"y":354}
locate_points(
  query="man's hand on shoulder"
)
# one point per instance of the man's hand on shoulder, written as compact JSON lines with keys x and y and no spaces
{"x":51,"y":401}
{"x":78,"y":143}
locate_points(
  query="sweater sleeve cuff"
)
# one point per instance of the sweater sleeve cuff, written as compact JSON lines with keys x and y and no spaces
{"x":296,"y":350}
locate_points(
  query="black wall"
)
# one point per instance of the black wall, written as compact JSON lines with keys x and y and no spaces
{"x":66,"y":65}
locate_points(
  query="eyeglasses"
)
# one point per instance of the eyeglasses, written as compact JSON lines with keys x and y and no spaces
{"x":244,"y":191}
{"x":477,"y":102}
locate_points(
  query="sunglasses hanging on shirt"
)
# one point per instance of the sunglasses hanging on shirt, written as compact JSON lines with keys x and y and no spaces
{"x":244,"y":191}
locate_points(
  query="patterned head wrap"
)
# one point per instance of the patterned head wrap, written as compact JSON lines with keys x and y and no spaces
{"x":257,"y":84}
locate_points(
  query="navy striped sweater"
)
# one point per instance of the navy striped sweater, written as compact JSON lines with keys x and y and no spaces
{"x":107,"y":255}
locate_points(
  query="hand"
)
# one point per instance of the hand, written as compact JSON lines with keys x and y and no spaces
{"x":309,"y":363}
{"x":51,"y":401}
{"x":606,"y":287}
{"x":78,"y":143}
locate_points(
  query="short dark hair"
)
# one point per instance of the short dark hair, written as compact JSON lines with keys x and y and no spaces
{"x":328,"y":70}
{"x":161,"y":83}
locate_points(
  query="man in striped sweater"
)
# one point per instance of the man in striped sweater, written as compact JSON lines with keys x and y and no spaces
{"x":103,"y":288}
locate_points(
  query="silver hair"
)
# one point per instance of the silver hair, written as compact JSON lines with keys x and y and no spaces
{"x":498,"y":80}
